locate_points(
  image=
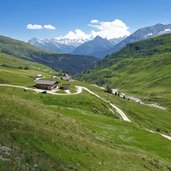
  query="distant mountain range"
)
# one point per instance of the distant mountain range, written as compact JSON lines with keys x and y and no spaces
{"x":99,"y":46}
{"x":62,"y":62}
{"x":63,"y":45}
{"x":96,"y":47}
{"x":141,"y":34}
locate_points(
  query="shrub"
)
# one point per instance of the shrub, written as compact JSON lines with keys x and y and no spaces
{"x":108,"y":89}
{"x":158,"y":129}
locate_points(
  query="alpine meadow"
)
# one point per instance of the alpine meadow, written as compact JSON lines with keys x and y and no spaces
{"x":85,"y":86}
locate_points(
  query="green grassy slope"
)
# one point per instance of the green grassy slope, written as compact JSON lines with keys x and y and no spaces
{"x":143,"y":116}
{"x":78,"y":132}
{"x":142,"y":68}
{"x":17,"y":71}
{"x":63,"y":133}
{"x":65,"y":62}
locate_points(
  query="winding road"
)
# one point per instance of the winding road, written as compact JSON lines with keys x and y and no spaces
{"x":119,"y":111}
{"x":79,"y":90}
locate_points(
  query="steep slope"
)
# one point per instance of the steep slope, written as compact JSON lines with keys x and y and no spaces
{"x":94,"y":47}
{"x":65,"y":62}
{"x":142,"y":68}
{"x":141,"y":34}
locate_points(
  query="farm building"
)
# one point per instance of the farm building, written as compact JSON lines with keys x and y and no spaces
{"x":37,"y":76}
{"x":53,"y":77}
{"x":67,"y":78}
{"x":65,"y":86}
{"x":46,"y":84}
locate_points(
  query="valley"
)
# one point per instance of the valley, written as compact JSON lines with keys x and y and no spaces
{"x":75,"y":131}
{"x":59,"y":61}
{"x":80,"y":126}
{"x":141,"y":69}
{"x":85,"y":85}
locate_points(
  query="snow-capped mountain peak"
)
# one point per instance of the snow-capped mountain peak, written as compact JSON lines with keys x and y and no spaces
{"x":165,"y":31}
{"x":148,"y":35}
{"x":67,"y":45}
{"x":57,"y":44}
{"x":66,"y":41}
{"x":141,"y":34}
{"x":34,"y":41}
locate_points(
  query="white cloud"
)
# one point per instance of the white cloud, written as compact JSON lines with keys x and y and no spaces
{"x":50,"y":27}
{"x":114,"y":29}
{"x":38,"y":27}
{"x":34,"y":26}
{"x":94,"y":21}
{"x":77,"y":34}
{"x":106,"y":29}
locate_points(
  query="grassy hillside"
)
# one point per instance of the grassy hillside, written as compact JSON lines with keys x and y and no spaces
{"x":18,"y":71}
{"x":143,"y":116}
{"x":46,"y":132}
{"x":75,"y":132}
{"x":65,"y":62}
{"x":142,"y":69}
{"x":78,"y":132}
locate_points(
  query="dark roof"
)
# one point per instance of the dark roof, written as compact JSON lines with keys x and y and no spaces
{"x":46,"y":82}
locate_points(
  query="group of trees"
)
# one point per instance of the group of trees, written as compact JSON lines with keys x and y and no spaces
{"x":109,"y":90}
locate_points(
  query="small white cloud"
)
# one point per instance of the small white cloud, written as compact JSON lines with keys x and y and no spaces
{"x":38,"y":27}
{"x":34,"y":26}
{"x":77,"y":34}
{"x":50,"y":27}
{"x":94,"y":21}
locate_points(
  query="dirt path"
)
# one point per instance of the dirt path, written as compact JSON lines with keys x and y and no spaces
{"x":79,"y":90}
{"x":135,"y":99}
{"x":163,"y":135}
{"x":119,"y":111}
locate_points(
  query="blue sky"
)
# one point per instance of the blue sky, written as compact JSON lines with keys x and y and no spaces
{"x":68,"y":15}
